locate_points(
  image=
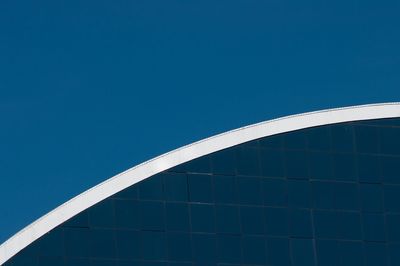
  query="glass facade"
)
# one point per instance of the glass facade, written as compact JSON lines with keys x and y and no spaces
{"x":328,"y":195}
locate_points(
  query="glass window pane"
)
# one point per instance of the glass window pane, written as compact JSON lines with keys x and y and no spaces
{"x":177,"y":216}
{"x":318,"y":138}
{"x":102,"y":214}
{"x":127,"y":214}
{"x":102,"y":243}
{"x":227,"y":219}
{"x":225,"y":189}
{"x":152,"y":215}
{"x":275,"y":192}
{"x":252,"y":219}
{"x":176,"y":187}
{"x":179,"y":246}
{"x":302,"y":252}
{"x":296,"y":164}
{"x":128,"y":244}
{"x":278,"y":251}
{"x":229,"y":249}
{"x":151,"y":188}
{"x":271,"y":163}
{"x":204,"y":247}
{"x":200,"y":188}
{"x":276,"y":221}
{"x":300,"y":223}
{"x":248,"y":161}
{"x":202,"y":217}
{"x":249,"y":190}
{"x":299,"y":193}
{"x":253,"y":250}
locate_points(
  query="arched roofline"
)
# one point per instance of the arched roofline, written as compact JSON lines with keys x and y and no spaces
{"x":184,"y":154}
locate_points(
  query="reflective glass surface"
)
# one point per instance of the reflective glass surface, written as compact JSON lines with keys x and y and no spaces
{"x":322,"y":196}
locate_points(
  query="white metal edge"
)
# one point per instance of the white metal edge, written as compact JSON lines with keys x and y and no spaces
{"x":218,"y":142}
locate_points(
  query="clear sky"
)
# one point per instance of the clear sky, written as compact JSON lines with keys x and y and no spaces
{"x":91,"y":88}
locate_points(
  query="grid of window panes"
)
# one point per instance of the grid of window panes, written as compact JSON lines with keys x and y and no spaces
{"x":323,"y":196}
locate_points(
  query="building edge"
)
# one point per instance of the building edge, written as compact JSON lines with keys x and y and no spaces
{"x":184,"y":154}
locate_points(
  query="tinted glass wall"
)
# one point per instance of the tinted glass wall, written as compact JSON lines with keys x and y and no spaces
{"x":321,"y":196}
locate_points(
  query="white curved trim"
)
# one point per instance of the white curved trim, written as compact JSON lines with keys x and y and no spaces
{"x":203,"y":147}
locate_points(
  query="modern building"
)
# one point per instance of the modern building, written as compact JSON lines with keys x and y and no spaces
{"x":320,"y":188}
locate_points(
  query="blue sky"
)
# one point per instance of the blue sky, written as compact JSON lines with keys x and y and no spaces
{"x":91,"y":88}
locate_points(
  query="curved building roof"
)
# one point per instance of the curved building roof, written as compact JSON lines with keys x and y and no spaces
{"x":187,"y":153}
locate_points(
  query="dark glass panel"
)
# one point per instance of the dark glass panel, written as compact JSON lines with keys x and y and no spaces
{"x":375,"y":254}
{"x":153,"y":245}
{"x":248,"y":161}
{"x":79,"y":220}
{"x":202,"y":217}
{"x":227,"y":219}
{"x":20,"y":260}
{"x":326,"y":224}
{"x":200,"y":188}
{"x":346,"y":196}
{"x":320,"y":165}
{"x":51,"y":261}
{"x":373,"y":227}
{"x":275,"y":192}
{"x":102,"y":214}
{"x":390,"y":169}
{"x":272,"y":142}
{"x":394,"y":253}
{"x":128,"y":193}
{"x":344,"y":167}
{"x":128,"y":244}
{"x":249,"y":190}
{"x":177,"y":216}
{"x":318,"y":138}
{"x":102,"y":243}
{"x":278,"y":251}
{"x":390,"y":140}
{"x":224,"y":162}
{"x":102,"y":262}
{"x":52,"y":243}
{"x":368,"y":168}
{"x":342,"y":138}
{"x":152,"y":215}
{"x":349,"y":225}
{"x":253,"y":250}
{"x":296,"y":164}
{"x":392,"y":198}
{"x":327,"y":252}
{"x":366,"y":139}
{"x":392,"y":227}
{"x":323,"y":194}
{"x":276,"y":221}
{"x":152,"y":188}
{"x":179,"y":246}
{"x":77,"y":242}
{"x":200,"y":165}
{"x":77,"y":262}
{"x":229,"y":249}
{"x":176,"y":187}
{"x":225,"y":189}
{"x":371,"y":196}
{"x":299,"y":193}
{"x":127,"y":214}
{"x":271,"y":163}
{"x":300,"y":223}
{"x":302,"y":252}
{"x":351,"y":253}
{"x":252,"y":219}
{"x":204,"y":247}
{"x":295,"y":140}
